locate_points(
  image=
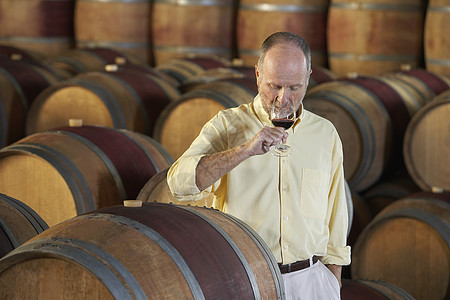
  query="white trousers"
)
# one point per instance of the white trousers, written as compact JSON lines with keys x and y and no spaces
{"x":314,"y":283}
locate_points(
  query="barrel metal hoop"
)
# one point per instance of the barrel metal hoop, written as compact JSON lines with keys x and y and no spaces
{"x":9,"y":233}
{"x":187,"y":50}
{"x":54,"y":158}
{"x":35,"y":220}
{"x":105,"y":159}
{"x":284,"y":8}
{"x":108,"y":269}
{"x":147,"y":154}
{"x":169,"y":249}
{"x":373,"y":6}
{"x":237,"y":251}
{"x":3,"y":124}
{"x":421,"y":215}
{"x":197,"y":2}
{"x":122,"y":45}
{"x":37,"y":40}
{"x":368,"y":142}
{"x":266,"y":252}
{"x":373,"y":57}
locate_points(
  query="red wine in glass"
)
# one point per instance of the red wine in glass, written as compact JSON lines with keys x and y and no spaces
{"x":285,"y":123}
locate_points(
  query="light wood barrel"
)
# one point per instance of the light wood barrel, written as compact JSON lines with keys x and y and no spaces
{"x":374,"y":37}
{"x":44,"y":26}
{"x":119,"y":99}
{"x":372,"y":289}
{"x":76,"y":61}
{"x":371,"y":115}
{"x":21,"y":82}
{"x":74,"y":170}
{"x":201,"y":27}
{"x":156,"y":251}
{"x":258,"y":19}
{"x":426,"y":145}
{"x":183,"y":69}
{"x":124,"y":25}
{"x":387,"y":191}
{"x":181,"y":121}
{"x":407,"y":245}
{"x":436,"y":40}
{"x":18,"y":224}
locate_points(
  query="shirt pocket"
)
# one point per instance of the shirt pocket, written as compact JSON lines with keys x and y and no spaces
{"x":314,"y":195}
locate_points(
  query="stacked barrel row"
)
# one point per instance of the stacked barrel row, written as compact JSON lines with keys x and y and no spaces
{"x":370,"y":37}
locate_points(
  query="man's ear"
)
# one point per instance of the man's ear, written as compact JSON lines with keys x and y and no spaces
{"x":257,"y":74}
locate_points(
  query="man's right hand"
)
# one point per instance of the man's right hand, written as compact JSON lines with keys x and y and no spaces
{"x":264,"y":139}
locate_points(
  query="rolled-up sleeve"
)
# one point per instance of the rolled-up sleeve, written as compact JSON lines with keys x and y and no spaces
{"x":181,"y":175}
{"x":338,"y":252}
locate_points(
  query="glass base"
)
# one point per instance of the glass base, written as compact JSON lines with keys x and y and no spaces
{"x":280,"y":150}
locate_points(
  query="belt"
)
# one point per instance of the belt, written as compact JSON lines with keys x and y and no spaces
{"x":298,"y":265}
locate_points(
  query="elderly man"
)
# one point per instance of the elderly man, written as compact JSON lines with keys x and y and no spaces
{"x":296,"y":203}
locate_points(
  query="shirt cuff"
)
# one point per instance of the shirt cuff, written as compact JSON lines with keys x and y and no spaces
{"x":337,"y":256}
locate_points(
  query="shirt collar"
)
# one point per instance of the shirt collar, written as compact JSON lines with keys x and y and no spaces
{"x":263,"y":116}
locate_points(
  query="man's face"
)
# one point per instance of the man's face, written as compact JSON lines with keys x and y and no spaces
{"x":284,"y":76}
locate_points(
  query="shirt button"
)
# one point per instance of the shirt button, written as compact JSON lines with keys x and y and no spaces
{"x":286,"y":247}
{"x":285,"y":161}
{"x":286,"y":218}
{"x":285,"y":189}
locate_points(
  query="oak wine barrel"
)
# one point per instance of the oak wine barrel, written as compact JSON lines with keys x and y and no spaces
{"x":73,"y":170}
{"x":123,"y":25}
{"x":407,"y":244}
{"x":18,"y":224}
{"x":155,"y":251}
{"x":185,"y":68}
{"x":372,"y":289}
{"x":258,"y":19}
{"x":374,"y":37}
{"x":21,"y":81}
{"x":181,"y":121}
{"x":426,"y":145}
{"x":371,"y":114}
{"x":43,"y":26}
{"x":201,"y":28}
{"x":436,"y":41}
{"x":121,"y":98}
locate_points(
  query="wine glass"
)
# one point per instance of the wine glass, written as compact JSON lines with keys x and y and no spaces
{"x":282,"y":114}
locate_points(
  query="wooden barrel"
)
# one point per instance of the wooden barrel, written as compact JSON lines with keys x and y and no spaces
{"x":372,"y":289}
{"x":436,"y":41}
{"x":258,"y":19}
{"x":156,"y":251}
{"x":407,"y":245}
{"x":15,"y":53}
{"x":374,"y":37}
{"x":21,"y":82}
{"x":18,"y":224}
{"x":320,"y":75}
{"x":426,"y":145}
{"x":208,"y":76}
{"x":124,"y":25}
{"x":77,"y":61}
{"x":157,"y":190}
{"x":202,"y":27}
{"x":183,"y":69}
{"x":119,"y":99}
{"x":44,"y":26}
{"x":196,"y":108}
{"x":73,"y":170}
{"x":387,"y":191}
{"x":371,"y":115}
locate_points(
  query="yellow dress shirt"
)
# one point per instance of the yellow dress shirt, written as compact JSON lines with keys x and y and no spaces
{"x":297,"y":204}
